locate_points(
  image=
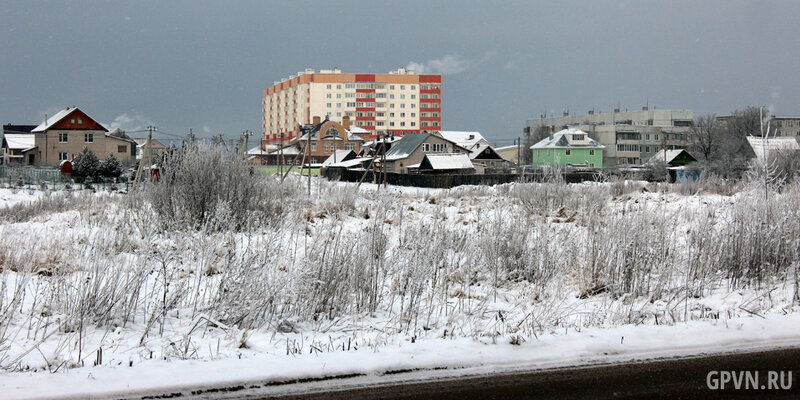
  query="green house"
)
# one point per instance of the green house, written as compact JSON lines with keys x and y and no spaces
{"x":568,"y":147}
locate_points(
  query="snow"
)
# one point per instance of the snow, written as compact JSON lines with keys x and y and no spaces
{"x":52,"y":120}
{"x":11,"y":197}
{"x":466,"y":335}
{"x":449,"y":161}
{"x":564,"y":139}
{"x":20,"y":141}
{"x":762,"y":145}
{"x":459,"y":356}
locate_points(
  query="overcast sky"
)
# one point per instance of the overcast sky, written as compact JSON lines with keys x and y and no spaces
{"x":204,"y":65}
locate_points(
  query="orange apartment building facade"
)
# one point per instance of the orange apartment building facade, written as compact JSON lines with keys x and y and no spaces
{"x":397,"y":103}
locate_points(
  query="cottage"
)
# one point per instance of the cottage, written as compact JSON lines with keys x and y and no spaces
{"x":411,"y":149}
{"x":65,"y":135}
{"x":325,"y":137}
{"x":673,"y":158}
{"x":453,"y":163}
{"x":480,"y":151}
{"x":568,"y":147}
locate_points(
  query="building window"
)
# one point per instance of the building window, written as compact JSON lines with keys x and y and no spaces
{"x":62,"y":156}
{"x":80,"y":121}
{"x":88,"y":137}
{"x":568,"y":152}
{"x":313,"y":146}
{"x":439,"y":147}
{"x":62,"y":138}
{"x":329,"y":86}
{"x":326,"y":147}
{"x":122,"y":149}
{"x":426,"y":147}
{"x":402,"y":87}
{"x":591,"y":152}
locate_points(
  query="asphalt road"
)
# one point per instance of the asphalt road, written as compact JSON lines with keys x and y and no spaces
{"x":676,"y":378}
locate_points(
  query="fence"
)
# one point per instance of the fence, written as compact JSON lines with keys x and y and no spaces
{"x":445,"y":181}
{"x":28,"y":175}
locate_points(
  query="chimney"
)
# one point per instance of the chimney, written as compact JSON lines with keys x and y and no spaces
{"x":316,"y":120}
{"x":566,"y":114}
{"x":591,"y":112}
{"x":471,"y":137}
{"x":644,"y":108}
{"x":346,"y":122}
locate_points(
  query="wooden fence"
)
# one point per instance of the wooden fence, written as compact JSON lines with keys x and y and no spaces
{"x":446,"y":181}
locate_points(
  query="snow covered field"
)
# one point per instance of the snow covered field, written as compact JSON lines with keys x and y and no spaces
{"x":100,"y":290}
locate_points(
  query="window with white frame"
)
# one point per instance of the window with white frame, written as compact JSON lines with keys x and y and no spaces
{"x":62,"y":156}
{"x":88,"y":137}
{"x":62,"y":138}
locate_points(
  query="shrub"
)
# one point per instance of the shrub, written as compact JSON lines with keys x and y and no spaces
{"x":213,"y":188}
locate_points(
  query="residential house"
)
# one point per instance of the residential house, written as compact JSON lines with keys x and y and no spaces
{"x":480,"y":151}
{"x":511,"y":153}
{"x":568,"y":147}
{"x":411,"y":149}
{"x":448,"y":163}
{"x":19,"y":149}
{"x":65,"y":135}
{"x":673,"y":158}
{"x":157,"y":149}
{"x":325,"y":137}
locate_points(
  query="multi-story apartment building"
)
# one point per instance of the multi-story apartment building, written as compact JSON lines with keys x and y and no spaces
{"x":779,"y":126}
{"x":396,"y":103}
{"x":629,"y":137}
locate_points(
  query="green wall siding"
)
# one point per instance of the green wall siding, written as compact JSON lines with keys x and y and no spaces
{"x":560,"y":157}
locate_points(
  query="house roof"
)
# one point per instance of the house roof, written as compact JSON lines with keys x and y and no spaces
{"x":671,"y":156}
{"x":339,"y":155}
{"x":446,"y":161}
{"x":22,"y":141}
{"x":563,"y":139}
{"x":313,"y":130}
{"x":463,"y":138}
{"x":12,"y":129}
{"x":405,"y":146}
{"x":154,"y":143}
{"x":761,"y":146}
{"x":350,"y":163}
{"x":61,"y":115}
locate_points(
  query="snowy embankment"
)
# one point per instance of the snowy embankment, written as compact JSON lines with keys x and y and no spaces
{"x":101,"y":295}
{"x":459,"y":357}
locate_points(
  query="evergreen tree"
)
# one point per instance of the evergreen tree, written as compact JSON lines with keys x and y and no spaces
{"x":111,"y":167}
{"x":85,"y":165}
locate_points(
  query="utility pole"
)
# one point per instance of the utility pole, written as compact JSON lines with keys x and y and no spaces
{"x":308,"y":150}
{"x":246,"y":136}
{"x":383,"y":161}
{"x":145,"y":156}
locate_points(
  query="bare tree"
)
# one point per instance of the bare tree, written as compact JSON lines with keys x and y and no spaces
{"x":706,"y":135}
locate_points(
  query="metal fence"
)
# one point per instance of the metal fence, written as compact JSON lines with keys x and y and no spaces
{"x":28,"y":175}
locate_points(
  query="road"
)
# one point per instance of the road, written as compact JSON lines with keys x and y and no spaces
{"x":665,"y":378}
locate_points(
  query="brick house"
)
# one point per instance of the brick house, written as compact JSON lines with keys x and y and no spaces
{"x":65,"y":135}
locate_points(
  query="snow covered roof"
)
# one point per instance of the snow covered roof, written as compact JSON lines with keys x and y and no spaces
{"x":339,"y":155}
{"x":154,"y":143}
{"x":568,"y":138}
{"x":671,"y":156}
{"x":23,"y":141}
{"x":447,"y":161}
{"x":406,"y":146}
{"x":287,"y":151}
{"x":350,"y":163}
{"x":53,"y":119}
{"x":357,"y":129}
{"x":761,"y":146}
{"x":463,"y":138}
